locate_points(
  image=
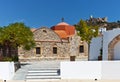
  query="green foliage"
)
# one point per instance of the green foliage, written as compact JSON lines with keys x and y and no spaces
{"x":13,"y":36}
{"x":13,"y":58}
{"x":86,"y":32}
{"x":7,"y":59}
{"x":16,"y":35}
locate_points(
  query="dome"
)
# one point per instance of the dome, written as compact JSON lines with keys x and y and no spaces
{"x":64,"y":30}
{"x":62,"y":23}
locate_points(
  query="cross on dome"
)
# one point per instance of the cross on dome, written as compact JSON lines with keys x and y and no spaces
{"x":62,"y":19}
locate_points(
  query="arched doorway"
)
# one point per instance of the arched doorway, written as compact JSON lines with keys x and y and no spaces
{"x":113,"y":49}
{"x":117,"y":51}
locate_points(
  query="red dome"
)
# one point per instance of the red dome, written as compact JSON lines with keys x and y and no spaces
{"x":64,"y":30}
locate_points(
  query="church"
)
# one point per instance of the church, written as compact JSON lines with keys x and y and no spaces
{"x":57,"y":42}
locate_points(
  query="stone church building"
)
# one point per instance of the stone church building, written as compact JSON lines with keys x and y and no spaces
{"x":58,"y":42}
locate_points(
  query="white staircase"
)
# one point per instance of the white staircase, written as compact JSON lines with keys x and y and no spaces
{"x":43,"y":74}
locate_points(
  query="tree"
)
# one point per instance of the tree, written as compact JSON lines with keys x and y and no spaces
{"x":86,"y":32}
{"x":15,"y":35}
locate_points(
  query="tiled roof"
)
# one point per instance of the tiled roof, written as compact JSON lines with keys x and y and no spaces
{"x":61,"y":33}
{"x":64,"y":30}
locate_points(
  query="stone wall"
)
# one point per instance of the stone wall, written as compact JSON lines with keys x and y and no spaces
{"x":75,"y":43}
{"x":45,"y":34}
{"x":47,"y":50}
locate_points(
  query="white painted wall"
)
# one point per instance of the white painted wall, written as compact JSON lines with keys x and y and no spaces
{"x":7,"y":70}
{"x":108,"y":36}
{"x":111,"y":70}
{"x":95,"y":47}
{"x":80,"y":70}
{"x":90,"y":70}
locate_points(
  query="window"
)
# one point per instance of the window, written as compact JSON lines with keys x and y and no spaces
{"x":44,"y":31}
{"x":54,"y":50}
{"x":81,"y":49}
{"x":38,"y":50}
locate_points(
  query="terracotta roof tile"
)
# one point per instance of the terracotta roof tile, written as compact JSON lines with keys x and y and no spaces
{"x":61,"y":33}
{"x":64,"y":30}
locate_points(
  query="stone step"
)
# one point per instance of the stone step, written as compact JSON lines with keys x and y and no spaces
{"x":43,"y":71}
{"x":43,"y":74}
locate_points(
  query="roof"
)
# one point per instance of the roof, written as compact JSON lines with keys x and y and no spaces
{"x":64,"y":30}
{"x":61,"y":33}
{"x":62,"y":23}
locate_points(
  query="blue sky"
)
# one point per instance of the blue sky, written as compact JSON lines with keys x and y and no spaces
{"x":37,"y":13}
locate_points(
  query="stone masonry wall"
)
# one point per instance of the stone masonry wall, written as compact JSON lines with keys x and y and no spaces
{"x":45,"y":34}
{"x":75,"y":42}
{"x":47,"y":50}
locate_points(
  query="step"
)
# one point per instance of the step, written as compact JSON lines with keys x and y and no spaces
{"x":42,"y":74}
{"x":42,"y":71}
{"x":43,"y":77}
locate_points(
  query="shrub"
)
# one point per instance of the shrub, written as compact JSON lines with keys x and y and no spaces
{"x":13,"y":58}
{"x":7,"y":59}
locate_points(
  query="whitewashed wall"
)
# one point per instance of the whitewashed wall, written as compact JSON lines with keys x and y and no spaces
{"x":7,"y":70}
{"x":90,"y":70}
{"x":80,"y":70}
{"x":111,"y":70}
{"x":108,"y":36}
{"x":95,"y":47}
